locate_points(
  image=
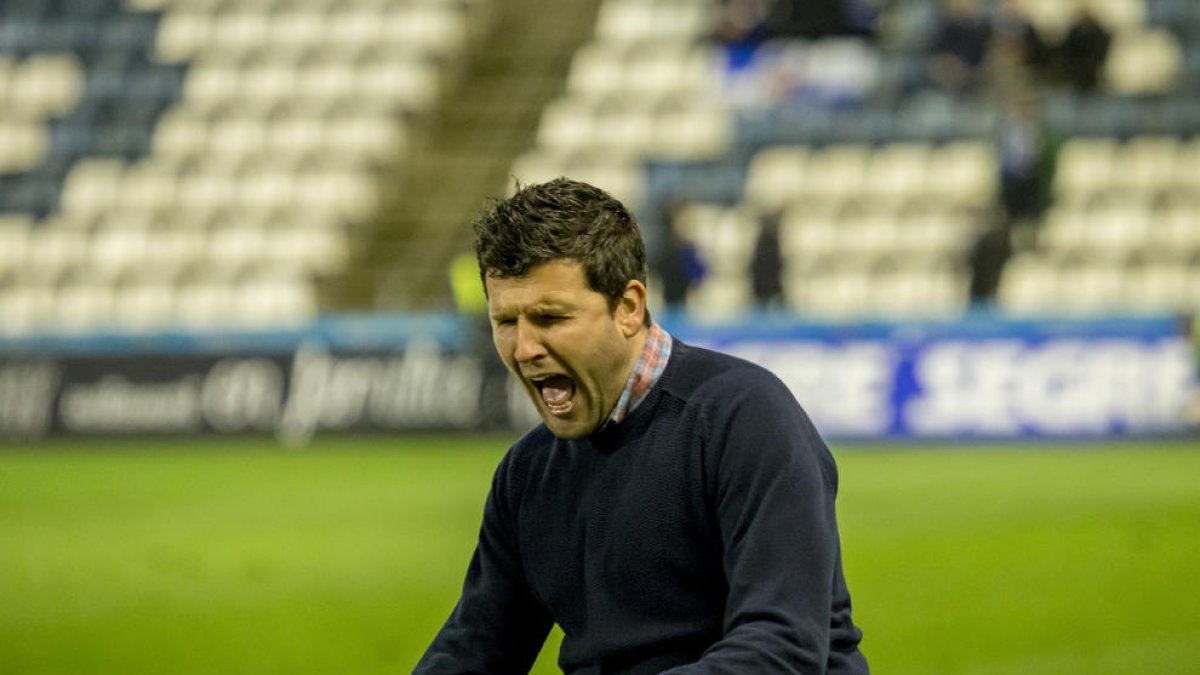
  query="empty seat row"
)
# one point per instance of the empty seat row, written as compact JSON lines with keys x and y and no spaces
{"x":152,"y":305}
{"x":39,"y":87}
{"x":677,"y":128}
{"x":347,"y":133}
{"x":1123,"y":230}
{"x":49,"y":253}
{"x":97,"y":186}
{"x":1088,"y":166}
{"x":405,"y":84}
{"x":843,"y":293}
{"x":891,"y":293}
{"x":1037,"y":283}
{"x":963,"y":173}
{"x":642,"y":20}
{"x":433,"y":28}
{"x":656,"y":70}
{"x":814,"y":238}
{"x":278,"y":5}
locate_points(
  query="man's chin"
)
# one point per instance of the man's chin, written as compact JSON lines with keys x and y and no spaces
{"x":566,"y":429}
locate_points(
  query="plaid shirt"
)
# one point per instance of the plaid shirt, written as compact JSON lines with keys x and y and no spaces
{"x":647,"y":370}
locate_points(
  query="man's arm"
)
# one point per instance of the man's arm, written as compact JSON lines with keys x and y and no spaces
{"x":773,"y":491}
{"x":498,"y":626}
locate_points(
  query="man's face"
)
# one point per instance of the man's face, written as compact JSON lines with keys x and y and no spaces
{"x":558,"y":336}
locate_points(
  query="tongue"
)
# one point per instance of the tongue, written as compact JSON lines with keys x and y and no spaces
{"x":557,"y":390}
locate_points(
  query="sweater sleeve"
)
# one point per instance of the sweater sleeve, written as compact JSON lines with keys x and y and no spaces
{"x":772,"y":489}
{"x":498,"y":626}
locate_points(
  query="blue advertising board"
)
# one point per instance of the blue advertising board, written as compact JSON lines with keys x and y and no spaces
{"x":976,"y":378}
{"x":982,"y":376}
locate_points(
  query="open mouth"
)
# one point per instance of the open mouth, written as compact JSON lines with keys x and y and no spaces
{"x":557,"y":393}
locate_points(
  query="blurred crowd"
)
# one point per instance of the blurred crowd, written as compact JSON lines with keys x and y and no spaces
{"x":971,"y":42}
{"x":971,"y":50}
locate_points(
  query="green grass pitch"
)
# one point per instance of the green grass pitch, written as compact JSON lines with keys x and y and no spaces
{"x":182,"y":557}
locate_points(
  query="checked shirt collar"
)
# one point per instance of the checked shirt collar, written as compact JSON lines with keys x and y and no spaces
{"x":647,"y":370}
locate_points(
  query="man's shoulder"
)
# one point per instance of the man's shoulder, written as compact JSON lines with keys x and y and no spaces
{"x":700,"y":372}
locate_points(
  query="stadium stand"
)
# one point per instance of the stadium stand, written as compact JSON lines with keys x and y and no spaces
{"x":885,"y":187}
{"x":200,"y":164}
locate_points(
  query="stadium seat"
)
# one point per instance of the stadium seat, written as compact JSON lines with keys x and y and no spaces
{"x":868,"y":236}
{"x":690,"y":128}
{"x":624,"y":126}
{"x":934,"y":235}
{"x":117,"y":250}
{"x":963,"y":173}
{"x":1120,"y":15}
{"x":308,"y":250}
{"x":172,"y":251}
{"x":143,"y":304}
{"x":86,"y":304}
{"x":275,"y":302}
{"x":775,"y":175}
{"x":837,"y":172}
{"x":1160,"y":286}
{"x":1085,"y":166}
{"x":1148,"y":163}
{"x":54,"y":249}
{"x":1090,"y":288}
{"x":907,"y":292}
{"x":808,"y":235}
{"x":1115,"y":231}
{"x":205,"y":304}
{"x":14,"y":242}
{"x":724,"y":236}
{"x":26,"y":307}
{"x":719,"y":297}
{"x":1143,"y":62}
{"x":897,"y":172}
{"x":837,"y":293}
{"x":1029,"y":285}
{"x":597,"y":70}
{"x":1175,"y":232}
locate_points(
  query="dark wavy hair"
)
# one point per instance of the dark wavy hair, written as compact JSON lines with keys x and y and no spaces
{"x":563,"y":219}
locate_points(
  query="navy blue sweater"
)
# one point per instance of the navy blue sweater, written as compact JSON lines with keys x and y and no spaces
{"x":696,"y":536}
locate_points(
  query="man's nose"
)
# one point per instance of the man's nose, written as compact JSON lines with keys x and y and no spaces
{"x":529,"y":343}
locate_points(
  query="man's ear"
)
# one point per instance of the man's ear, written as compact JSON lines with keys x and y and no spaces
{"x":631,"y":308}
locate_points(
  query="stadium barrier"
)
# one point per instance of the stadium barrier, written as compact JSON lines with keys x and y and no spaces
{"x":980,"y":377}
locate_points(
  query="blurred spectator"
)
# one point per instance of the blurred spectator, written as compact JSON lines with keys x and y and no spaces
{"x":766,"y":263}
{"x":678,"y":263}
{"x":756,"y":21}
{"x":906,"y":26}
{"x":960,"y":47}
{"x":986,"y":260}
{"x":1017,"y":43}
{"x":1084,"y":50}
{"x":1026,"y":149}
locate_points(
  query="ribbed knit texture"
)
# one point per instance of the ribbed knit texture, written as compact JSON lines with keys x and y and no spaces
{"x":696,"y":536}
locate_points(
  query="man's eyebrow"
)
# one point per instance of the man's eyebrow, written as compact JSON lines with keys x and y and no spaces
{"x":551,"y":306}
